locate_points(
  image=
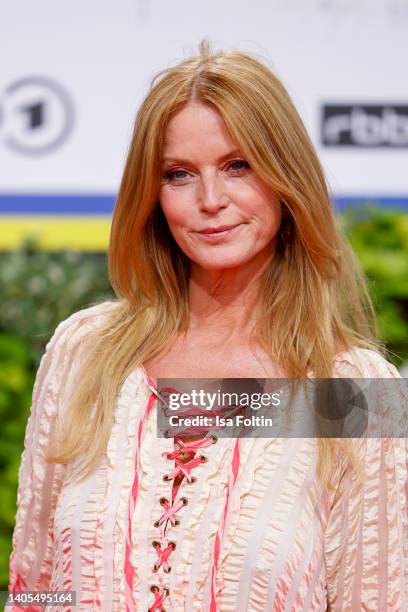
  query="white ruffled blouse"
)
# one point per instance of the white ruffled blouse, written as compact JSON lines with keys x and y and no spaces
{"x":247,"y":529}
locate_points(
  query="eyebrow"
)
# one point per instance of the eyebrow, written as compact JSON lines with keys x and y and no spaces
{"x":180,"y":160}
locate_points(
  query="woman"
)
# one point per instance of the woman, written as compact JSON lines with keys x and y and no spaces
{"x":226,"y":262}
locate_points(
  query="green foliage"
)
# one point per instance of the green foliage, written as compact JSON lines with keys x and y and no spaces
{"x":16,"y":381}
{"x":380,"y":240}
{"x":39,"y":289}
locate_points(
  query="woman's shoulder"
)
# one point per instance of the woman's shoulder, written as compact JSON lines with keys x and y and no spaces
{"x":384,"y":393}
{"x":81,"y":323}
{"x":359,"y":362}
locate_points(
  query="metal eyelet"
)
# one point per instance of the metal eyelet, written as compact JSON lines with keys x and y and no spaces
{"x":184,"y":500}
{"x":176,"y":522}
{"x":162,"y":501}
{"x":156,"y":524}
{"x":193,"y":479}
{"x":154,"y":588}
{"x":214,"y":439}
{"x":173,"y":545}
{"x":155,"y":544}
{"x":203,"y":459}
{"x":186,"y":455}
{"x":167,"y":571}
{"x":166,"y":478}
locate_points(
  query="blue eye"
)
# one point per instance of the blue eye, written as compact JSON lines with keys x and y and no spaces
{"x":238,"y":165}
{"x":175,"y":175}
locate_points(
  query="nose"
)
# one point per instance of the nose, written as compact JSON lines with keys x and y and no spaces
{"x":212,"y":195}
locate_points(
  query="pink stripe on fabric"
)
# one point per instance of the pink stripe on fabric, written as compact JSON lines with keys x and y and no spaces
{"x":84,"y":494}
{"x":307,"y":560}
{"x":315,"y":580}
{"x":358,"y":567}
{"x":104,"y":554}
{"x":44,"y":516}
{"x":343,"y":554}
{"x":129,"y":569}
{"x":60,"y":555}
{"x":382,"y":536}
{"x":401,"y":517}
{"x":231,"y":481}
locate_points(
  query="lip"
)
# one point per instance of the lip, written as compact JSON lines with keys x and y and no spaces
{"x":217,"y":230}
{"x":217,"y":234}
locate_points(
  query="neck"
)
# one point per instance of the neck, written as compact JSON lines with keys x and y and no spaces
{"x":223,"y":301}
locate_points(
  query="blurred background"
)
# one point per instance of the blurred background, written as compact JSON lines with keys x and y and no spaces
{"x":72,"y":76}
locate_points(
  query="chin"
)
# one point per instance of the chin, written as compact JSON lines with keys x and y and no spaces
{"x":220,"y":263}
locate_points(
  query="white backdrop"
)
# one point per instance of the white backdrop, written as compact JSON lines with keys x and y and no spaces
{"x":102,"y":54}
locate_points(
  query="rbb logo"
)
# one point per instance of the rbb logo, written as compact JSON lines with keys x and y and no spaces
{"x":36,"y":116}
{"x":364,"y":125}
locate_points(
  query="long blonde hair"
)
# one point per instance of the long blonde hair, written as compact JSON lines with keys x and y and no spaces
{"x":313,"y":269}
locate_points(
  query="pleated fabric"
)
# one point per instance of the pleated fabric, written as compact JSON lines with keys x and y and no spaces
{"x":255,"y":534}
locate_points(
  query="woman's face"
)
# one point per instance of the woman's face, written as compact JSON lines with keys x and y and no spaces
{"x":219,"y":212}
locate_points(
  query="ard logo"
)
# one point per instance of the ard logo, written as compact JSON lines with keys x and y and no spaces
{"x":36,"y":116}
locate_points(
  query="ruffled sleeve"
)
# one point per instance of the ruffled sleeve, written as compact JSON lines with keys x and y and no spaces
{"x":39,"y":483}
{"x":366,"y":539}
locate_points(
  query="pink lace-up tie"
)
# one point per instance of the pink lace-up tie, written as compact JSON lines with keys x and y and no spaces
{"x":185,"y":468}
{"x":163,"y":555}
{"x":184,"y":448}
{"x":170,"y":511}
{"x":159,"y":597}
